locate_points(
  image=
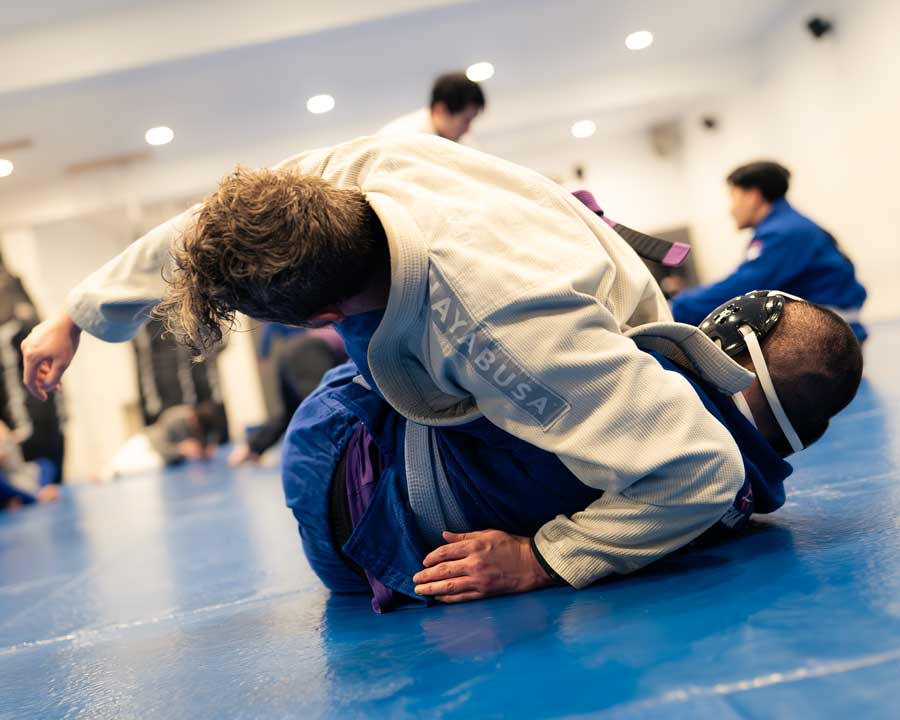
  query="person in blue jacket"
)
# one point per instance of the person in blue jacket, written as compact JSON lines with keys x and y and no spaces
{"x":788,"y":252}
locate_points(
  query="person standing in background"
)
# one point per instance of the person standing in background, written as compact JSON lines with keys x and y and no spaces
{"x":37,"y":426}
{"x":21,"y":482}
{"x":455,"y":102}
{"x":788,"y":252}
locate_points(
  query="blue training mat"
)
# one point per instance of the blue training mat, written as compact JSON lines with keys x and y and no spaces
{"x":187,"y":596}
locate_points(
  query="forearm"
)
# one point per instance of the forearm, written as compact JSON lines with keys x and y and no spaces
{"x":269,"y":433}
{"x":622,"y":533}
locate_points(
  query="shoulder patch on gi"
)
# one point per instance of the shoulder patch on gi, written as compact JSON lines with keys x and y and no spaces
{"x":487,"y":357}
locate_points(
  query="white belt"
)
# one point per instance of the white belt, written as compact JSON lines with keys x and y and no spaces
{"x":432,"y":501}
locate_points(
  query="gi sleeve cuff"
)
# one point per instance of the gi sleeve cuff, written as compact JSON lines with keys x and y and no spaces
{"x":554,"y":576}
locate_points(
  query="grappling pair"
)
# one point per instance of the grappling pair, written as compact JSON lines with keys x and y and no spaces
{"x":514,"y":375}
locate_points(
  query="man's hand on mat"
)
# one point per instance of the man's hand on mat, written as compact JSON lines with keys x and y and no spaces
{"x":47,"y":352}
{"x":480,"y":564}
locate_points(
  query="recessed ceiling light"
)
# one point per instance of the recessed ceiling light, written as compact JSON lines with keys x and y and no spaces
{"x":584,"y":128}
{"x":639,"y":40}
{"x":6,"y":168}
{"x":319,"y":104}
{"x":159,"y":135}
{"x":480,"y":71}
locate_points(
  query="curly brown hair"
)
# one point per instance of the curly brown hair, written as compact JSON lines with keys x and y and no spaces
{"x":273,"y":244}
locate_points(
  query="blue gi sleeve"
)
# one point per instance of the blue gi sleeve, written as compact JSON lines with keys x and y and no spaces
{"x":313,"y":446}
{"x":8,"y":493}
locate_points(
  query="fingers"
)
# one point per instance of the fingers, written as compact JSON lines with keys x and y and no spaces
{"x":34,"y":369}
{"x":55,"y":370}
{"x":448,"y":587}
{"x":472,"y":566}
{"x":46,"y":354}
{"x":459,"y":545}
{"x":453,"y":551}
{"x":453,"y":537}
{"x":441,"y":571}
{"x":42,"y":375}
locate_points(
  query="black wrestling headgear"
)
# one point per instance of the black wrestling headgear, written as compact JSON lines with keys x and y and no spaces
{"x":760,"y":309}
{"x":739,"y":325}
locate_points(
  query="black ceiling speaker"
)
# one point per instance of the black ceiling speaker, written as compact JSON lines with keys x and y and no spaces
{"x":819,"y":26}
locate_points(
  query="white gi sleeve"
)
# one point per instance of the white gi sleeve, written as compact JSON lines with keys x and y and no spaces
{"x":113,"y":302}
{"x":620,"y":533}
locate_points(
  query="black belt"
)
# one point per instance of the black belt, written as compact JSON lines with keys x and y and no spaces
{"x":340,"y":520}
{"x":671,"y":254}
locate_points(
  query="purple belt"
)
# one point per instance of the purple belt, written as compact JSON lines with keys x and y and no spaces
{"x":364,"y":467}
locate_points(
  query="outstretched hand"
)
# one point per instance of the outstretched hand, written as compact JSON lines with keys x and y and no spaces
{"x":480,"y":564}
{"x":47,"y":352}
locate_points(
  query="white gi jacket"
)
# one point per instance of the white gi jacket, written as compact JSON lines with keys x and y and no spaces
{"x":511,"y":299}
{"x":418,"y":121}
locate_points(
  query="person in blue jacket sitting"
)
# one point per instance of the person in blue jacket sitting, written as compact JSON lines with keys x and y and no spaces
{"x":788,"y":252}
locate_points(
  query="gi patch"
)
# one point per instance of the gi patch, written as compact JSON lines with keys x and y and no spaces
{"x":739,"y":513}
{"x":488,"y":358}
{"x":754,"y":250}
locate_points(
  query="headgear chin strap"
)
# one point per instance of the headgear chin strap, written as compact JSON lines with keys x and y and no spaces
{"x":744,"y":408}
{"x":762,"y":373}
{"x":738,"y":324}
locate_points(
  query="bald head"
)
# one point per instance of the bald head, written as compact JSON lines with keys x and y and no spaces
{"x":816,"y":366}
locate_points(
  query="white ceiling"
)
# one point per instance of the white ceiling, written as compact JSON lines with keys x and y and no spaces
{"x":18,"y":15}
{"x":231,"y":79}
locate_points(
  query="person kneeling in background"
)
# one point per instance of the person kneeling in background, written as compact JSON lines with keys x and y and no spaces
{"x":182,"y":432}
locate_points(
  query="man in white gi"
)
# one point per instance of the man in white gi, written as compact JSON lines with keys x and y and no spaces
{"x":455,"y":103}
{"x":500,"y":296}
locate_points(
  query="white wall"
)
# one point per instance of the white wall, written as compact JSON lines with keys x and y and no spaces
{"x":827,"y":109}
{"x":632,"y":183}
{"x":830,"y":111}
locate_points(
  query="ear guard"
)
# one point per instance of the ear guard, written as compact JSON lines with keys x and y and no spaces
{"x":760,"y":310}
{"x":739,"y":325}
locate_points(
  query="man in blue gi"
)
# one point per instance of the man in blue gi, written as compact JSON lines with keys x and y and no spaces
{"x":788,"y":251}
{"x":469,"y":499}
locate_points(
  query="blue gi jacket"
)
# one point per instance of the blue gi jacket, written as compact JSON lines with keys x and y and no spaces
{"x":788,"y":252}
